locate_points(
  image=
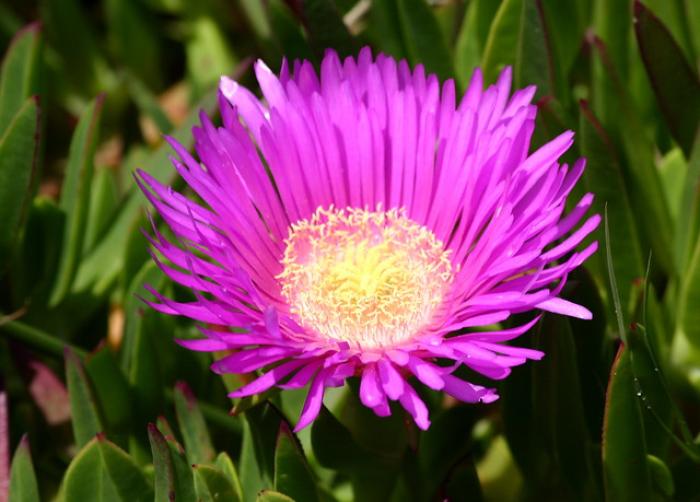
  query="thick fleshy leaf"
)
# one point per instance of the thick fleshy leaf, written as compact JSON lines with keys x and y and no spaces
{"x":384,"y":28}
{"x":174,"y":480}
{"x":19,"y":74}
{"x":212,"y":485}
{"x":257,"y":464}
{"x":567,"y":23}
{"x":287,"y":32}
{"x":688,"y":319}
{"x":192,"y":426}
{"x":444,"y":446}
{"x":612,"y":23}
{"x":100,"y":268}
{"x":534,"y":64}
{"x":373,"y":476}
{"x":463,"y":483}
{"x":39,"y":251}
{"x":225,"y":465}
{"x":517,"y":38}
{"x":544,"y":418}
{"x":208,"y":53}
{"x":675,"y":83}
{"x":86,"y":419}
{"x":140,"y":359}
{"x":563,"y":433}
{"x":19,"y":148}
{"x":104,"y":201}
{"x":73,"y":39}
{"x":293,"y":476}
{"x":326,"y":28}
{"x":689,"y":214}
{"x":424,"y":41}
{"x":625,"y":466}
{"x":23,"y":484}
{"x":272,"y":496}
{"x":75,"y":196}
{"x":637,"y":154}
{"x":111,"y":390}
{"x":604,"y":178}
{"x":104,"y":472}
{"x":332,"y":443}
{"x":133,"y":40}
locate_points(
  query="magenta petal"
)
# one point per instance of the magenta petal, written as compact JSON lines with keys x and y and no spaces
{"x":303,"y":376}
{"x":465,"y":391}
{"x":202,"y":345}
{"x":370,"y":391}
{"x":313,"y":402}
{"x":392,"y":381}
{"x":415,"y":407}
{"x":427,"y":373}
{"x":269,"y":379}
{"x":565,"y":307}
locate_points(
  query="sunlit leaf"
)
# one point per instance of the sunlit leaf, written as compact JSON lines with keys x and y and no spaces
{"x":626,"y":470}
{"x":603,"y":177}
{"x":293,"y":476}
{"x":326,"y":28}
{"x":174,"y":480}
{"x":18,"y":163}
{"x":103,"y":472}
{"x":423,"y":39}
{"x":85,"y":413}
{"x":19,"y":74}
{"x":23,"y":484}
{"x":212,"y":485}
{"x":675,"y":83}
{"x":272,"y":496}
{"x":225,"y":464}
{"x":75,"y":196}
{"x":192,"y":426}
{"x":111,"y":390}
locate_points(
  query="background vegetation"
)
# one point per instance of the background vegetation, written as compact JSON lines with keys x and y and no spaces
{"x":112,"y":410}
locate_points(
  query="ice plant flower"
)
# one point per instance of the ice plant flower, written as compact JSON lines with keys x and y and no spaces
{"x":355,"y":219}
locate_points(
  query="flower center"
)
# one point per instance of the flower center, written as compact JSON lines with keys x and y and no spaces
{"x":371,"y":278}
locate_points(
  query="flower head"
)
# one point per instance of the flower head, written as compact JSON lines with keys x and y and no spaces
{"x":355,"y":219}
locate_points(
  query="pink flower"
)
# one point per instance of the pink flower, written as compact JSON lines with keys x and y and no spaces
{"x":355,"y":219}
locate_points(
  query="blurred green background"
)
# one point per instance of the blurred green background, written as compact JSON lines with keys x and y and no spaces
{"x":98,"y":403}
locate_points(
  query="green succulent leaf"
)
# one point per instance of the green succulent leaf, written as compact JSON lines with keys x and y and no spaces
{"x":140,"y":361}
{"x":272,"y":496}
{"x":174,"y":480}
{"x":100,"y":268}
{"x":625,"y":466}
{"x":192,"y":426}
{"x":517,"y":38}
{"x":19,"y":73}
{"x":326,"y":28}
{"x":674,"y":81}
{"x":111,"y":390}
{"x":103,"y":472}
{"x":18,"y":168}
{"x":293,"y":476}
{"x":75,"y":196}
{"x":225,"y":465}
{"x":85,"y":414}
{"x":213,"y":485}
{"x":423,"y":38}
{"x":604,"y":178}
{"x":23,"y":484}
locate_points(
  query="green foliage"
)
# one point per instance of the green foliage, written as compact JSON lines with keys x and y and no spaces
{"x":23,"y":485}
{"x":87,"y":89}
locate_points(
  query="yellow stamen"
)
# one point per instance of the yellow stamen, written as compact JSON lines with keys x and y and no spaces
{"x":371,"y":278}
